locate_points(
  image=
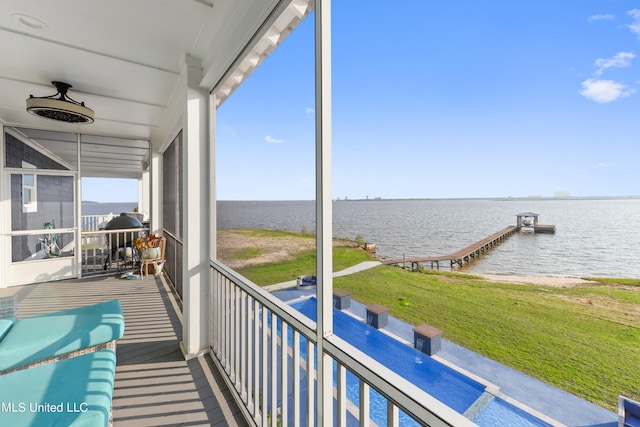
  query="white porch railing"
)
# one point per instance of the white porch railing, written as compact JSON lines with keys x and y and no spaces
{"x":107,"y":251}
{"x":268,"y":352}
{"x":96,"y":222}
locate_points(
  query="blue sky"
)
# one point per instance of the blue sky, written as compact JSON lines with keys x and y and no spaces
{"x":475,"y":98}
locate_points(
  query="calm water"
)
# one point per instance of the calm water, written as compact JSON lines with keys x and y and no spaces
{"x":595,"y":237}
{"x":107,"y":208}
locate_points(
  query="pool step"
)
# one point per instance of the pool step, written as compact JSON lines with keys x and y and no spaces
{"x":478,"y":406}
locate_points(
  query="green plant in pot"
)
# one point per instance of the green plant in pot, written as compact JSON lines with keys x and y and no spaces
{"x":148,"y":246}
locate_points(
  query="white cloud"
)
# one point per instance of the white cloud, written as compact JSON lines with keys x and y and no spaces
{"x":619,"y":60}
{"x":271,"y":140}
{"x":606,"y":17}
{"x":309,"y":110}
{"x":604,"y":91}
{"x":602,"y":165}
{"x":635,"y":27}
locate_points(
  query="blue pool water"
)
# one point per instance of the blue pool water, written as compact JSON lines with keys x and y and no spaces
{"x":445,"y":384}
{"x":440,"y":381}
{"x":501,"y":413}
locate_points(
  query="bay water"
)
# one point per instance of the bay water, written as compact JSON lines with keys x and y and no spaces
{"x":105,"y":208}
{"x":593,"y":238}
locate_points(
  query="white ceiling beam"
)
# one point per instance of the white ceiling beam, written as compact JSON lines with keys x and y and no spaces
{"x":89,"y":51}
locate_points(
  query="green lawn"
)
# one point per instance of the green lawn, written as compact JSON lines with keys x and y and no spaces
{"x":585,"y":340}
{"x":304,"y":263}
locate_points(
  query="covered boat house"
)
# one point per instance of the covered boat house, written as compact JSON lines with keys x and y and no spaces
{"x":529,"y":221}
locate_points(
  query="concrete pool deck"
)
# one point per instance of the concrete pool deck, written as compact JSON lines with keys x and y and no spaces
{"x":549,"y":403}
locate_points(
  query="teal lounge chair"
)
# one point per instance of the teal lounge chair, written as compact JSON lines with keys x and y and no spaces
{"x":40,"y":339}
{"x":58,"y":369}
{"x":71,"y":392}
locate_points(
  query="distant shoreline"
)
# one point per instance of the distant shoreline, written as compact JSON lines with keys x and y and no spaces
{"x":105,"y":208}
{"x":91,"y":202}
{"x":499,"y":199}
{"x":528,"y":198}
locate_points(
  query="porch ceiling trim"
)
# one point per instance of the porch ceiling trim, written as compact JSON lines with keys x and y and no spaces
{"x":280,"y":23}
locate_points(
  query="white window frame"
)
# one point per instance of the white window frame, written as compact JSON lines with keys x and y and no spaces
{"x":30,"y":205}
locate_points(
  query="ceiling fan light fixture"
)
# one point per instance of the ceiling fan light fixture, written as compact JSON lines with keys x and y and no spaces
{"x":60,"y":106}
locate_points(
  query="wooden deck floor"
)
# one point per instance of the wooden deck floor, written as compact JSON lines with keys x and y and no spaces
{"x":154,"y":385}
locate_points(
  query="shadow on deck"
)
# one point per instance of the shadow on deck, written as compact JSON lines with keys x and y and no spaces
{"x":154,"y":385}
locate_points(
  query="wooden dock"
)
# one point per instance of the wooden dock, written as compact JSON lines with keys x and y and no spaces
{"x":460,"y":257}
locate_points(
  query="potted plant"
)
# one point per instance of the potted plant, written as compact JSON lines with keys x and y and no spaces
{"x":148,"y":246}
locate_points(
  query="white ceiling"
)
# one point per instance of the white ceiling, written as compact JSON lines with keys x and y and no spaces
{"x":124,"y":58}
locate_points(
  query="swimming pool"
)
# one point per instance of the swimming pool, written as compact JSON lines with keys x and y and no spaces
{"x":500,"y":413}
{"x":445,"y":384}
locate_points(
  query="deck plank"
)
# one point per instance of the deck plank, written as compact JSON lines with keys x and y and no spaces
{"x":154,"y":385}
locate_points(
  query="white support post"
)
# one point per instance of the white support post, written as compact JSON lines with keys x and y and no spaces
{"x":324,"y":213}
{"x":77,"y":200}
{"x":144,"y":189}
{"x":155,"y":189}
{"x":5,"y":254}
{"x":213,"y":212}
{"x":212,"y":178}
{"x":196,"y":208}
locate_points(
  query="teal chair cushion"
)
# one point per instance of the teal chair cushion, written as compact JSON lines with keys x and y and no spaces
{"x":5,"y":325}
{"x":41,"y":337}
{"x":71,"y":392}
